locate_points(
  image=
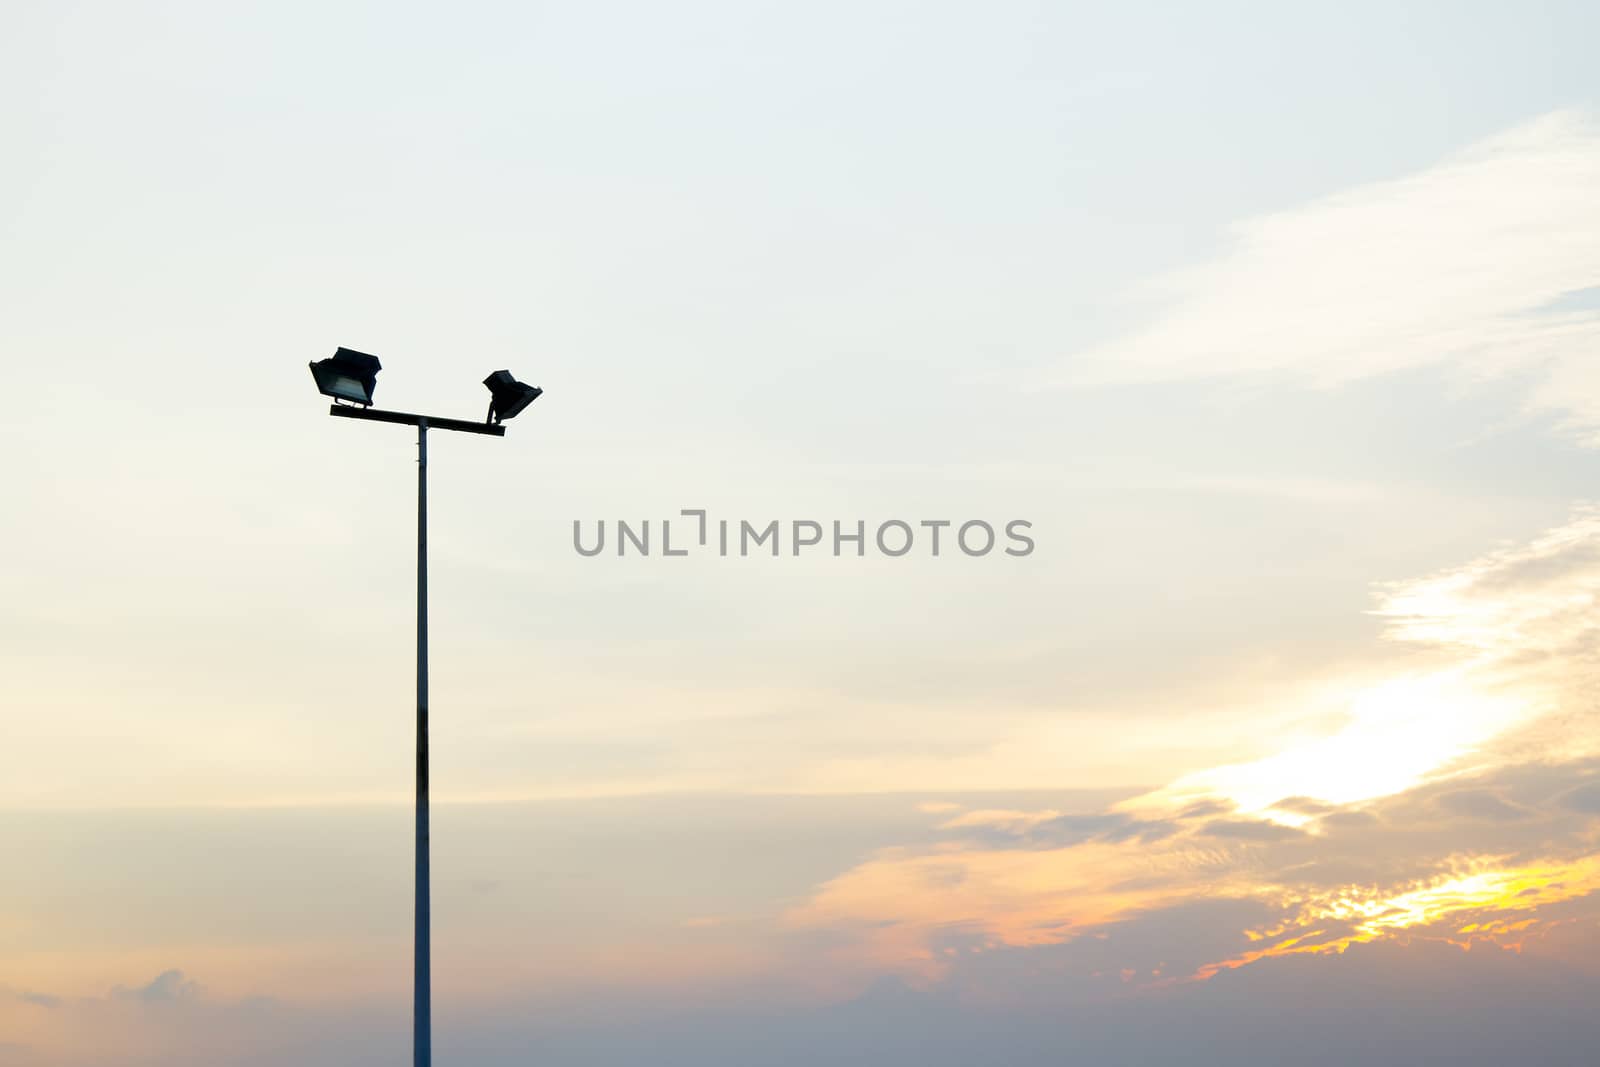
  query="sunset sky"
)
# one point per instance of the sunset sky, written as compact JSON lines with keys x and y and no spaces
{"x":1280,"y":327}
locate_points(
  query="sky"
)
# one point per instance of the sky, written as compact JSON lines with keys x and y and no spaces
{"x":1279,"y":328}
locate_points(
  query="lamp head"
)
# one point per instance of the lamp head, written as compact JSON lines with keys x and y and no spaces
{"x":507,"y":396}
{"x":347,"y":375}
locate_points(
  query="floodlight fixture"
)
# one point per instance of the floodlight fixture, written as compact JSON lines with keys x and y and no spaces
{"x":507,"y":396}
{"x":347,"y":375}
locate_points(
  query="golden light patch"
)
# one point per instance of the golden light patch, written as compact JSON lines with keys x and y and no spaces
{"x":1394,"y":735}
{"x":1480,"y":905}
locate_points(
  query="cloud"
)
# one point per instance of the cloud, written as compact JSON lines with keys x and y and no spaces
{"x":1347,"y":820}
{"x":1303,"y":806}
{"x":1479,"y":804}
{"x":1485,"y":860}
{"x":936,"y":807}
{"x":1486,"y":261}
{"x":1584,"y":798}
{"x":164,"y":988}
{"x":1004,"y":829}
{"x":1248,"y":830}
{"x":1453,"y":804}
{"x":999,"y":818}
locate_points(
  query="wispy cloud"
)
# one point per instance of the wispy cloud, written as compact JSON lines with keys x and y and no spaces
{"x":1488,"y":261}
{"x":1511,"y":637}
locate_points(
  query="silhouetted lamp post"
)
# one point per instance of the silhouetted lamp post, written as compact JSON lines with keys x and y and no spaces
{"x":350,"y":376}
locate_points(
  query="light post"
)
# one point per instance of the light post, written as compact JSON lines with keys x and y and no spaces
{"x":351,"y":376}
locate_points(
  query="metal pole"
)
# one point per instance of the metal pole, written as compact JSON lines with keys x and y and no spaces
{"x":422,"y":1024}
